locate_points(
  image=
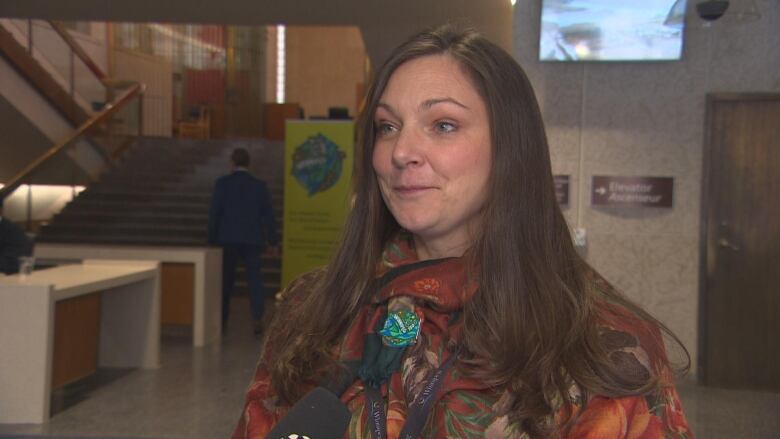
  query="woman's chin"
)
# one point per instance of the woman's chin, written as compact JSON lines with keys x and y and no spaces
{"x":416,"y":226}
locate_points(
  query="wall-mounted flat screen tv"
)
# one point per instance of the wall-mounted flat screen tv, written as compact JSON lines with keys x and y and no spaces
{"x":612,"y":30}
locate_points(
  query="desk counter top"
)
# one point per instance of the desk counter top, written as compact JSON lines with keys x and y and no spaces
{"x":93,"y":275}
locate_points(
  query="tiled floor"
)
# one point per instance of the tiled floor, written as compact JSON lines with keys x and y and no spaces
{"x":198,"y":393}
{"x":731,"y":414}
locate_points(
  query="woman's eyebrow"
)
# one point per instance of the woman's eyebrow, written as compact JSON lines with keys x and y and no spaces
{"x":388,"y":108}
{"x":425,"y":105}
{"x":428,"y":103}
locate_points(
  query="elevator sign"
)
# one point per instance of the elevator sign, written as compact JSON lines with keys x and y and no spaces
{"x":632,"y":191}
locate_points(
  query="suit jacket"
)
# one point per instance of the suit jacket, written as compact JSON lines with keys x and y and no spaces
{"x":13,"y":243}
{"x":241,"y":211}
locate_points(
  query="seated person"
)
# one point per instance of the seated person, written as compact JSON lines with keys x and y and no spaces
{"x":455,"y":304}
{"x":13,"y":244}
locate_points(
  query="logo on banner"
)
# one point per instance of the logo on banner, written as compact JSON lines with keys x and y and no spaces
{"x":317,"y":164}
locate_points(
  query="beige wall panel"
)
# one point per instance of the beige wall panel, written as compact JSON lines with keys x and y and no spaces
{"x":157,"y":74}
{"x":324,"y":66}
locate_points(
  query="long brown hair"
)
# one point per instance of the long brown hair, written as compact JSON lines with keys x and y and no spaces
{"x":531,"y":328}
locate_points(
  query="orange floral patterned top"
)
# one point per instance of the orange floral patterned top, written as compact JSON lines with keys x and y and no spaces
{"x":466,"y":408}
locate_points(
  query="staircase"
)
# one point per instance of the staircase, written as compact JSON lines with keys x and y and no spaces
{"x":149,"y":191}
{"x":49,"y":104}
{"x":159,"y":195}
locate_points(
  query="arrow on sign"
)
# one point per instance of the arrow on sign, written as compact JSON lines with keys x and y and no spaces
{"x":601,"y":191}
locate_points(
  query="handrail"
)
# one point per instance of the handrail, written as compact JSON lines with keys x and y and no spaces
{"x":107,"y":111}
{"x":79,"y":51}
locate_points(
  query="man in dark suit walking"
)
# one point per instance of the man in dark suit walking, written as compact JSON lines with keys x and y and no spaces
{"x":241,"y":221}
{"x":13,"y":244}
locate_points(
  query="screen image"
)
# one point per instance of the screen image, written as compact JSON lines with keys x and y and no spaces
{"x":611,"y":30}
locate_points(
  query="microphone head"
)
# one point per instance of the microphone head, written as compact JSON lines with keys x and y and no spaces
{"x":318,"y":415}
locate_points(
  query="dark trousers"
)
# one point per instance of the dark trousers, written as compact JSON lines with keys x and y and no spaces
{"x":250,"y":256}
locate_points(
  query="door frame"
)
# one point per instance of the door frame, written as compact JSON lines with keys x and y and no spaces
{"x":711,"y":100}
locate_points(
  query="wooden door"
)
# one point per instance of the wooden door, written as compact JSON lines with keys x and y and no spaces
{"x":740,"y":298}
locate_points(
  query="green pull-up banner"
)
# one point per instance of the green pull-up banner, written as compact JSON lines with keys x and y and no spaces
{"x":318,"y":168}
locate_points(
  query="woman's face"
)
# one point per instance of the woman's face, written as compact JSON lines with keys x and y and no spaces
{"x":432,"y":153}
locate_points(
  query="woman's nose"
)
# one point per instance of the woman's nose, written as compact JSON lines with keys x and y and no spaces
{"x":407,"y":150}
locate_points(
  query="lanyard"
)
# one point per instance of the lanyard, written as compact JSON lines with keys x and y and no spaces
{"x":418,"y":410}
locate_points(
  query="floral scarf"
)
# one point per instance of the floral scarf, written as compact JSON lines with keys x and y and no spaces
{"x":465,"y":408}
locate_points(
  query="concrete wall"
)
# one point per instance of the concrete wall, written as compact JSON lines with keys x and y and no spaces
{"x":647,"y":119}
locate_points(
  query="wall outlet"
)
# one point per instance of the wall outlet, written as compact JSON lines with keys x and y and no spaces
{"x":580,"y":237}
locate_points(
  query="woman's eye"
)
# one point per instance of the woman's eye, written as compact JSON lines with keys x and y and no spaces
{"x":384,"y":128}
{"x":445,"y":127}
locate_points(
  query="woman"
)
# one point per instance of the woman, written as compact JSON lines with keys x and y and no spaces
{"x":456,"y":280}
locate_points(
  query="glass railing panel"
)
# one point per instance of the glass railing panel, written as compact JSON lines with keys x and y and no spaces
{"x":114,"y":135}
{"x":68,"y":70}
{"x":20,"y":30}
{"x":51,"y":52}
{"x":88,"y":87}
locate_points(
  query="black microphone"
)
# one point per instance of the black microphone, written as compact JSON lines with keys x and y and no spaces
{"x":318,"y":415}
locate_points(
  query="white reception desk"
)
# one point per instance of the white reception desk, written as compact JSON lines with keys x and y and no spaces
{"x":129,"y":327}
{"x":207,"y":262}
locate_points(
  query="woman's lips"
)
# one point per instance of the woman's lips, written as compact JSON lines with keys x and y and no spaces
{"x":411,"y":190}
